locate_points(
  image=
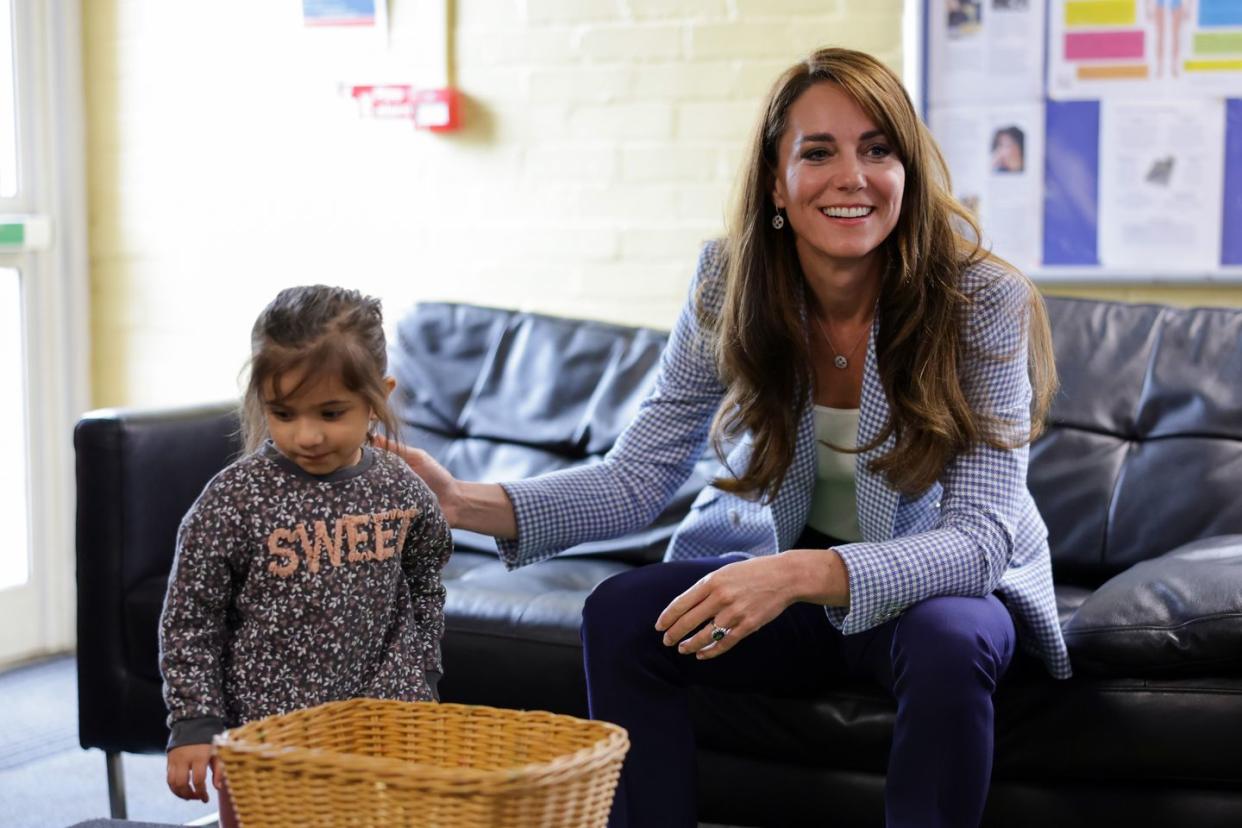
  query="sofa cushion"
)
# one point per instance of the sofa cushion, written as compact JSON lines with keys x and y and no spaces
{"x":1179,"y":613}
{"x":562,"y":385}
{"x":1082,"y":729}
{"x":1144,"y":439}
{"x":511,"y":638}
{"x":541,"y":602}
{"x":498,"y":395}
{"x":1069,"y":599}
{"x":512,"y":641}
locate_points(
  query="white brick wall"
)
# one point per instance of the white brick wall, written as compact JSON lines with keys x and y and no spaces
{"x":719,"y":120}
{"x":630,"y":42}
{"x":600,"y":144}
{"x":656,"y":162}
{"x":742,"y":39}
{"x":687,"y":10}
{"x":623,"y":121}
{"x":571,"y":11}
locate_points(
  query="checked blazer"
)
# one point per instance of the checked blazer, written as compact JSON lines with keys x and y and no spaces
{"x":974,"y":532}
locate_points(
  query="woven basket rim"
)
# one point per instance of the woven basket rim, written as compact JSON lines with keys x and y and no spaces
{"x":614,"y":737}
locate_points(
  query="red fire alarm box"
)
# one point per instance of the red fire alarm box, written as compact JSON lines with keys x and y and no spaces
{"x":437,"y":109}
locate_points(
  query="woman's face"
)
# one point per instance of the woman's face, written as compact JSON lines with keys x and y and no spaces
{"x":838,"y":178}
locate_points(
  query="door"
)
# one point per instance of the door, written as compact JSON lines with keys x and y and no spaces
{"x":43,"y":333}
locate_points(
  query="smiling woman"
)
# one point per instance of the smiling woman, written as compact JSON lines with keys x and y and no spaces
{"x":892,"y":483}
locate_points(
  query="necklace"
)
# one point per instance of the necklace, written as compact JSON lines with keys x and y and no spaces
{"x":840,"y":360}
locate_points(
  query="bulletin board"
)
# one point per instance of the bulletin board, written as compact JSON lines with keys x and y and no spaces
{"x":1096,"y":140}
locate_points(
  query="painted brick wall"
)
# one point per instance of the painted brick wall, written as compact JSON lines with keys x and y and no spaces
{"x":601,"y":142}
{"x":600,"y":145}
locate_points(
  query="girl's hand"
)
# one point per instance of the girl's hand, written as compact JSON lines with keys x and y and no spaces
{"x":743,"y":596}
{"x":187,"y":771}
{"x":442,"y":484}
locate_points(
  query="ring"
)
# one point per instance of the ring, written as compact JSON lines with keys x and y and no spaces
{"x":719,"y":632}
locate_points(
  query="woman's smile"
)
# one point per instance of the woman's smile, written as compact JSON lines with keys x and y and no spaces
{"x":848,"y":214}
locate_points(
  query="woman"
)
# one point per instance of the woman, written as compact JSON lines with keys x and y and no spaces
{"x":843,"y":311}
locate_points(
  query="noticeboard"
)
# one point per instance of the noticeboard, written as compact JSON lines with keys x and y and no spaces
{"x":1096,"y":140}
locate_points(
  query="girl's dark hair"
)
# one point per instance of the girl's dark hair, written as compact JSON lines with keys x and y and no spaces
{"x":760,"y":335}
{"x":318,"y":331}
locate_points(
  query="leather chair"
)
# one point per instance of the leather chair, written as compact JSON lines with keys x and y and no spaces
{"x":1144,"y":456}
{"x":138,"y":472}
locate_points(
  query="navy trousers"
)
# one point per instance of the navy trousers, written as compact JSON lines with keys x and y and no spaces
{"x":941,"y":660}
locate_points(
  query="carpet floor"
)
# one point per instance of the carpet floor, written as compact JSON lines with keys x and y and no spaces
{"x":46,"y":779}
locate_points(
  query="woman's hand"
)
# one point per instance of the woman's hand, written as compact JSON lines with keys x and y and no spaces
{"x":442,"y":484}
{"x":743,"y":596}
{"x":187,"y":771}
{"x":479,"y":507}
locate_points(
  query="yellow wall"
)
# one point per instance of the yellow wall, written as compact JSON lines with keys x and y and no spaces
{"x":600,"y":145}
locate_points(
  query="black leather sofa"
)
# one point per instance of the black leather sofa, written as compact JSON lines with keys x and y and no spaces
{"x":1143,"y":457}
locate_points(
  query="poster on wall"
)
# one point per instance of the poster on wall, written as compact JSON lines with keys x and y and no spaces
{"x":1121,"y":159}
{"x":983,"y":51}
{"x":996,"y":161}
{"x":1144,"y":49}
{"x":353,"y":14}
{"x":1162,"y":169}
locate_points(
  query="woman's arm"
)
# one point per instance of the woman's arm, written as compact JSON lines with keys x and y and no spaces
{"x":656,"y":453}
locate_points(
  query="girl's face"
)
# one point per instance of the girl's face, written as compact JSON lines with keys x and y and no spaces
{"x":838,"y":178}
{"x":322,"y":427}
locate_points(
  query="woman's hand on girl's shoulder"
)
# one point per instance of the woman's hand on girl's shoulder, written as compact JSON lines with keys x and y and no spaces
{"x":442,"y":484}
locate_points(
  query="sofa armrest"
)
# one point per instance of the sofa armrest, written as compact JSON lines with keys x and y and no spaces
{"x":138,"y":472}
{"x":1178,"y":614}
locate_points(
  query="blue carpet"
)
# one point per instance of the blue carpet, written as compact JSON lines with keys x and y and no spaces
{"x":46,"y":779}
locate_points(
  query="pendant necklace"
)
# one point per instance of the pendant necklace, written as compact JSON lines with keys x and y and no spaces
{"x":840,"y":360}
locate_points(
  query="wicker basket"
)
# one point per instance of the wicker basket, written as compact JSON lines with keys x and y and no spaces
{"x":383,"y":763}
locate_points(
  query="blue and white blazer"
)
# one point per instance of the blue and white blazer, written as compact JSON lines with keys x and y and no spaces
{"x":975,"y":532}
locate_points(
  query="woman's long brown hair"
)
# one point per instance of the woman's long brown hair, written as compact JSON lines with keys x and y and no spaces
{"x":760,"y":336}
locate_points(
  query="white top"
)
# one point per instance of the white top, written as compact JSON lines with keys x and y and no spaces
{"x":834,"y":505}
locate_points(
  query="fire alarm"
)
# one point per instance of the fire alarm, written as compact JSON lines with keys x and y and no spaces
{"x":436,"y":109}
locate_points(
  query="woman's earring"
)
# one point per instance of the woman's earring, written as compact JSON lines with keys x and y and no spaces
{"x":778,"y":221}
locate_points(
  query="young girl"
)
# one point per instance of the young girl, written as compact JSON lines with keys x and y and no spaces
{"x":308,"y":571}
